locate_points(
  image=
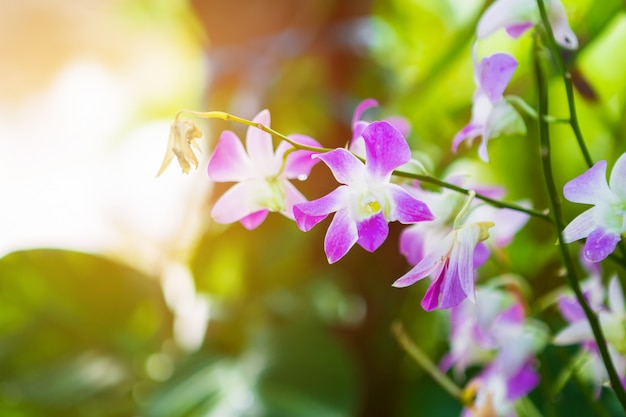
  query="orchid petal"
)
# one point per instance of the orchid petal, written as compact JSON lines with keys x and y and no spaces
{"x":617,"y":181}
{"x":358,"y":112}
{"x":259,"y":145}
{"x":580,"y":227}
{"x":372,"y":232}
{"x":431,"y":262}
{"x":463,"y":254}
{"x":577,"y":332}
{"x":451,"y":291}
{"x":495,"y":72}
{"x":469,"y":132}
{"x":405,"y":208}
{"x":346,"y":168}
{"x":292,"y":197}
{"x":600,"y":244}
{"x":385,"y":148}
{"x":503,"y":14}
{"x":616,"y":297}
{"x":239,"y":201}
{"x":522,"y":383}
{"x":342,"y":234}
{"x":309,"y":213}
{"x":229,"y":162}
{"x":518,"y":29}
{"x":252,"y":221}
{"x":431,"y":297}
{"x":563,"y":34}
{"x":299,"y":162}
{"x":570,"y":309}
{"x":590,"y":187}
{"x":412,"y":244}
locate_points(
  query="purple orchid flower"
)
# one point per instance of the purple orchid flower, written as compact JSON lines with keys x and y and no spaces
{"x":451,"y":264}
{"x":262,"y":175}
{"x":604,"y":223}
{"x":612,"y":317}
{"x":492,"y":115}
{"x":366,"y":201}
{"x":517,"y":16}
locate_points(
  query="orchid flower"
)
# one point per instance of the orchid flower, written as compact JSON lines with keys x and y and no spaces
{"x":612,"y":317}
{"x":517,"y":16}
{"x":262,"y":175}
{"x":419,"y":238}
{"x":604,"y":223}
{"x":183,"y":134}
{"x":451,"y":264}
{"x":492,"y":115}
{"x":366,"y":201}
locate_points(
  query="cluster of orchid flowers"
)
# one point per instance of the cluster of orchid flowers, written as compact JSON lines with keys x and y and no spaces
{"x":449,"y":233}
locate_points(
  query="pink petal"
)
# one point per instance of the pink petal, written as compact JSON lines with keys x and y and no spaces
{"x":310,"y":213}
{"x":577,"y":332}
{"x":372,"y":232}
{"x":494,"y":74}
{"x":229,"y":162}
{"x":346,"y":168}
{"x":386,"y":149}
{"x":589,"y":187}
{"x":292,"y":197}
{"x":451,"y":292}
{"x":618,"y":177}
{"x":615,"y":297}
{"x":239,"y":201}
{"x":252,"y":221}
{"x":358,"y":112}
{"x":600,"y":244}
{"x":300,"y":162}
{"x":341,"y":236}
{"x":259,"y":145}
{"x":400,"y":123}
{"x":570,"y":309}
{"x":405,"y":208}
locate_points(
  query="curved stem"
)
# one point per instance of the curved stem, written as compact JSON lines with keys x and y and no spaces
{"x":567,"y":79}
{"x":420,"y":177}
{"x":431,"y":369}
{"x":568,"y":263}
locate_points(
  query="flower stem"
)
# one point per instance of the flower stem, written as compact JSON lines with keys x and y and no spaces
{"x":227,"y":116}
{"x":544,"y":138}
{"x":567,"y":80}
{"x":422,"y":359}
{"x":424,"y":178}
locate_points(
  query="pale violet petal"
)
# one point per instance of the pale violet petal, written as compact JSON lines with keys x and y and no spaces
{"x":292,"y":197}
{"x":252,"y":221}
{"x":451,"y":291}
{"x":505,"y":13}
{"x":495,"y":72}
{"x":428,"y":264}
{"x":577,"y":332}
{"x":469,"y":132}
{"x":618,"y":178}
{"x":463,"y":251}
{"x":600,"y":244}
{"x":616,"y":297}
{"x":358,"y":113}
{"x":229,"y":162}
{"x":590,"y":187}
{"x":563,"y":33}
{"x":580,"y":227}
{"x":299,"y":163}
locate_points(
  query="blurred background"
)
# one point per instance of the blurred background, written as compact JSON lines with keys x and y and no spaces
{"x":120,"y":297}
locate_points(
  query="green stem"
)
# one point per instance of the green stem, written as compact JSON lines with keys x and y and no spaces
{"x":544,"y":137}
{"x":227,"y":116}
{"x":567,"y":79}
{"x":424,"y":178}
{"x":490,"y":201}
{"x":422,"y":359}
